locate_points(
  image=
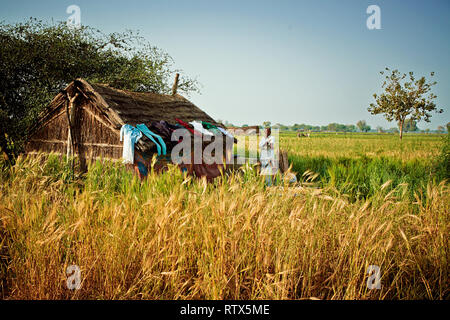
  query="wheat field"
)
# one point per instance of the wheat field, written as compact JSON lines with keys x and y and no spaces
{"x":175,"y":237}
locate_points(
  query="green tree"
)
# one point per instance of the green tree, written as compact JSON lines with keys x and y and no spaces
{"x":332,"y":127}
{"x":362,"y":125}
{"x":38,"y":59}
{"x":410,"y":125}
{"x":404,"y":97}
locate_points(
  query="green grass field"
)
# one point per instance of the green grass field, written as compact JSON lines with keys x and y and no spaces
{"x":362,"y":199}
{"x":359,"y":164}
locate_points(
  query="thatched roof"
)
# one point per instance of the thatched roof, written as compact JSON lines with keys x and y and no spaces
{"x":123,"y":106}
{"x":136,"y":107}
{"x":113,"y":108}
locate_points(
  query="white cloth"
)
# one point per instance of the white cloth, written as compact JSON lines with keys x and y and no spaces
{"x":198,"y":127}
{"x":267,"y":156}
{"x":130,"y":136}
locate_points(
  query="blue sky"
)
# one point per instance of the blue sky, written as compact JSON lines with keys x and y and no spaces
{"x":311,"y":62}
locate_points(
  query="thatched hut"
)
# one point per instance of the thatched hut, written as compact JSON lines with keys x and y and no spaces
{"x":96,"y":114}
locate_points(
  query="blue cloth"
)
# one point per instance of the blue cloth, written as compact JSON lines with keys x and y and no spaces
{"x":145,"y":130}
{"x":130,"y":136}
{"x":142,"y":168}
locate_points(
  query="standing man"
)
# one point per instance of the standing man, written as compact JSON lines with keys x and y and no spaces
{"x":267,"y":156}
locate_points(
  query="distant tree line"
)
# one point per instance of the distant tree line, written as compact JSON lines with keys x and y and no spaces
{"x":405,"y":100}
{"x":409,"y":125}
{"x":335,"y":127}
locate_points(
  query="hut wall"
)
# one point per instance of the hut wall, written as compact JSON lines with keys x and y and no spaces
{"x":52,"y":137}
{"x":94,"y":137}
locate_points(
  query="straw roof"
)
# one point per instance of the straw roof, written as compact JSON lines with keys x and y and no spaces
{"x":123,"y":106}
{"x":104,"y":111}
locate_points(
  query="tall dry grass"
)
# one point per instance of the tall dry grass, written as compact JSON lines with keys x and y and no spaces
{"x":172,"y":237}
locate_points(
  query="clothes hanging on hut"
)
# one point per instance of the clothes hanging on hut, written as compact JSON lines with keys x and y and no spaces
{"x":188,"y":127}
{"x":140,"y":166}
{"x":198,"y":126}
{"x":212,"y":128}
{"x":129,"y":135}
{"x":160,"y":145}
{"x":163,"y":128}
{"x":216,"y":129}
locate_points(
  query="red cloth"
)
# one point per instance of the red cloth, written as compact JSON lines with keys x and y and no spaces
{"x":188,"y":126}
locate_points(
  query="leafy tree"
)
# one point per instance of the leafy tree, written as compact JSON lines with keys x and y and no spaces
{"x":341,"y":127}
{"x":37,"y":60}
{"x":440,"y":129}
{"x":362,"y":125}
{"x":332,"y":127}
{"x":410,"y":125}
{"x":404,"y":98}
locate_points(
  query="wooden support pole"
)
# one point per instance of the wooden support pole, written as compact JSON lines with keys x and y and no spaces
{"x":70,"y":109}
{"x":175,"y":84}
{"x":69,"y":132}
